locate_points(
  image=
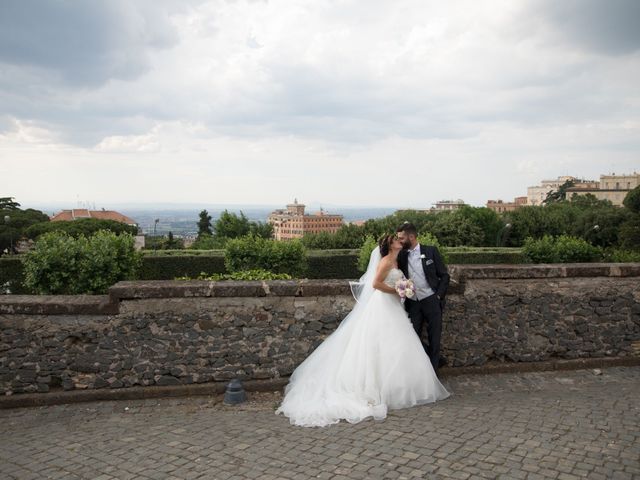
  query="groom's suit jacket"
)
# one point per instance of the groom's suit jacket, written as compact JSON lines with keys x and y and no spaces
{"x":435,"y":271}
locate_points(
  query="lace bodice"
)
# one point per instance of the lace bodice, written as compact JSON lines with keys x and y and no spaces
{"x":393,"y":276}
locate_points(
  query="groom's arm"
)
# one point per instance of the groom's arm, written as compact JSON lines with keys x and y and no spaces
{"x":441,"y":272}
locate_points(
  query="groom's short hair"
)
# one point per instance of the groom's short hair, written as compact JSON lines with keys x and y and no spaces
{"x":408,"y":228}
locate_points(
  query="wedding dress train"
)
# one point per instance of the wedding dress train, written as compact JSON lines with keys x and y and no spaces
{"x":372,"y":363}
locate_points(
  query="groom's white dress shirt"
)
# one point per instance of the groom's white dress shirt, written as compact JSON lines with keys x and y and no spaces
{"x":416,"y":274}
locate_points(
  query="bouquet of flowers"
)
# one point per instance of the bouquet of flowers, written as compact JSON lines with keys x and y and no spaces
{"x":405,"y":288}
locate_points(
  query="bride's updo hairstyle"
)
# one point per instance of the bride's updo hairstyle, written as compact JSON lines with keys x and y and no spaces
{"x":385,"y":244}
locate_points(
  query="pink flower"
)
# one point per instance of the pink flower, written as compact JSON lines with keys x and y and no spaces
{"x":405,"y":288}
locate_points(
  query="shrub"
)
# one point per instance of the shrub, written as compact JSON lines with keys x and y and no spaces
{"x":619,"y":255}
{"x":61,"y":264}
{"x":209,"y":242}
{"x":250,"y":253}
{"x":561,"y":249}
{"x":368,"y":246}
{"x":572,"y":250}
{"x":244,"y":275}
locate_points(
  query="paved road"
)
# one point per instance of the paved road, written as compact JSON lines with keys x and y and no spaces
{"x":559,"y":425}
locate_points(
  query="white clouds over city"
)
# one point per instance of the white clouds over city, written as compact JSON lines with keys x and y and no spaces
{"x":340,"y":102}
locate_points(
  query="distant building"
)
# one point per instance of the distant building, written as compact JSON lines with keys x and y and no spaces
{"x":441,"y":206}
{"x":292,"y":222}
{"x":499,"y":206}
{"x":536,"y":195}
{"x":446,"y":205}
{"x":78,"y":213}
{"x":610,"y":187}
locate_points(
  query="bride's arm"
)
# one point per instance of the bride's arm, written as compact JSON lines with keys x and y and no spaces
{"x":381,"y":274}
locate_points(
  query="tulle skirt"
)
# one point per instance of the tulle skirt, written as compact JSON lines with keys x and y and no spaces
{"x":373,"y":362}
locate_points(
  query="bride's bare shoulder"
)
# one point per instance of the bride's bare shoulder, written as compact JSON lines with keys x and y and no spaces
{"x":385,"y":263}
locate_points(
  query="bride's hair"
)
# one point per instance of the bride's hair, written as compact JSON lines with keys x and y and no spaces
{"x":385,"y":244}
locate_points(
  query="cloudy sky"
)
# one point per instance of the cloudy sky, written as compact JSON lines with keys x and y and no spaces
{"x":341,"y":102}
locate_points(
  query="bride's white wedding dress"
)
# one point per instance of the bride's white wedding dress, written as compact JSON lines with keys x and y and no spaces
{"x":372,"y":363}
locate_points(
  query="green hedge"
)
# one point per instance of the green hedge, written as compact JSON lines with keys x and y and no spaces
{"x":12,"y":272}
{"x":181,"y":253}
{"x":321,"y":264}
{"x":168,"y":267}
{"x":333,"y":264}
{"x":336,"y":264}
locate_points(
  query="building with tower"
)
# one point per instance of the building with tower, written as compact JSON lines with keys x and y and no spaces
{"x":293,"y":222}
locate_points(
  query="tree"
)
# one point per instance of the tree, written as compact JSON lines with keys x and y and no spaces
{"x":589,"y":201}
{"x":537,"y":221}
{"x":453,"y":229}
{"x":319,"y":241}
{"x":630,"y":234}
{"x":173,"y":243}
{"x":81,"y":227}
{"x":260,"y":229}
{"x":486,"y":219}
{"x":560,"y":194}
{"x":7,"y":203}
{"x":350,"y":236}
{"x":632,"y":200}
{"x":17,"y":225}
{"x":230,"y":225}
{"x":204,"y":224}
{"x":599,"y":223}
{"x":423,"y":221}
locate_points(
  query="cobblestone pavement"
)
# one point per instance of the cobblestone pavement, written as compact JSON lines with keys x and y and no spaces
{"x":559,"y":425}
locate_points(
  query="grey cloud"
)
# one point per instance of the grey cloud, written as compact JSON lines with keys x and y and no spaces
{"x":83,"y":43}
{"x":603,"y":26}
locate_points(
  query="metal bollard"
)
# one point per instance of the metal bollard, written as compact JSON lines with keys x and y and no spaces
{"x":234,"y":394}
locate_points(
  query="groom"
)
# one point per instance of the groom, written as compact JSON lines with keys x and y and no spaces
{"x":423,"y":264}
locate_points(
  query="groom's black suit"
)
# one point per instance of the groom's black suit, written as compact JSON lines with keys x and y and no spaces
{"x":428,"y":310}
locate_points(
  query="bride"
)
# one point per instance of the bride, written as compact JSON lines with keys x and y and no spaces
{"x":373,"y":361}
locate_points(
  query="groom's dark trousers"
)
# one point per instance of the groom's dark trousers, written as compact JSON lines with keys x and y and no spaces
{"x":427,"y":311}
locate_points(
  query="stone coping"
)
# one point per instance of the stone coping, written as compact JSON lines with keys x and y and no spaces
{"x":205,"y":288}
{"x":551,"y":270}
{"x":132,"y":290}
{"x":57,"y":305}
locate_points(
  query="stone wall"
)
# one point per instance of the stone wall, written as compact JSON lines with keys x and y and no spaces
{"x":173,"y":333}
